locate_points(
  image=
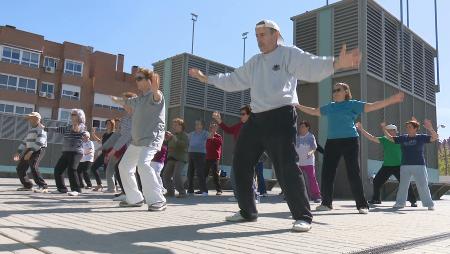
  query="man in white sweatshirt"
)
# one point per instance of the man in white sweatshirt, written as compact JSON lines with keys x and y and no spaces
{"x":272,"y":78}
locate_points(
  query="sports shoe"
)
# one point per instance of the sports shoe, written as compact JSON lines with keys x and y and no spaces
{"x":301,"y":226}
{"x":323,"y":208}
{"x":397,"y":206}
{"x":126,"y":204}
{"x":73,"y":193}
{"x":122,"y":197}
{"x":413,"y":204}
{"x":374,"y":202}
{"x":198,"y":193}
{"x":59,"y":192}
{"x":157,"y":207}
{"x":219,"y":193}
{"x":119,"y":194}
{"x":363,"y":210}
{"x":40,"y":190}
{"x":24,"y":189}
{"x":237,"y":217}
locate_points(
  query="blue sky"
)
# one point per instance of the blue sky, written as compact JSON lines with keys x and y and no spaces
{"x":148,"y":31}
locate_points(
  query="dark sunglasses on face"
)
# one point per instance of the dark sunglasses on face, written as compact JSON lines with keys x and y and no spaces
{"x":139,"y":78}
{"x":337,"y":90}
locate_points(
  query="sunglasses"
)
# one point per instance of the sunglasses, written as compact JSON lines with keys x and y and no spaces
{"x":140,"y":78}
{"x":337,"y":90}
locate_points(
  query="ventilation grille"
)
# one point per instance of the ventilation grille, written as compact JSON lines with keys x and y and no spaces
{"x":374,"y":44}
{"x":306,"y":34}
{"x":430,"y":93}
{"x":159,"y":68}
{"x":195,"y":90}
{"x":418,"y":68}
{"x":406,"y":77}
{"x":346,"y":26}
{"x":391,"y":50}
{"x":215,"y":97}
{"x":247,"y":97}
{"x":176,"y":81}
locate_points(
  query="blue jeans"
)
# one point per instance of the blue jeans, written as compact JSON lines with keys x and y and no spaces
{"x":260,"y":176}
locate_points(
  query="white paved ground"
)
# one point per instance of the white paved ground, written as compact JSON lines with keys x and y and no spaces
{"x":92,"y":223}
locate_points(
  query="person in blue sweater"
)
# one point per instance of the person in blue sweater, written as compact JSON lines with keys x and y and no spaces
{"x":342,"y":141}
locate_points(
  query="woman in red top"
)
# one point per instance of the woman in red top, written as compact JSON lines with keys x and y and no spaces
{"x":213,"y":153}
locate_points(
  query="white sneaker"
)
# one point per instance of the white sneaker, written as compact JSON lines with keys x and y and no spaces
{"x":301,"y":226}
{"x":122,"y":197}
{"x":40,"y":190}
{"x":237,"y":217}
{"x":323,"y":208}
{"x":363,"y":210}
{"x":73,"y":193}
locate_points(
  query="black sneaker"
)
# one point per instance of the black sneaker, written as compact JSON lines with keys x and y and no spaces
{"x":413,"y":204}
{"x":198,"y":192}
{"x":119,"y":194}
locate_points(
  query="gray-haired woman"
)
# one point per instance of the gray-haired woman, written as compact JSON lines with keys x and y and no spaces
{"x":72,"y":152}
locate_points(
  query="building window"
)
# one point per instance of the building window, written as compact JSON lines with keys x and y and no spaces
{"x":73,"y":68}
{"x":27,"y":85}
{"x":71,"y":95}
{"x":50,"y":62}
{"x":22,"y":84}
{"x":15,"y":108}
{"x":30,"y":59}
{"x":11,"y":55}
{"x":99,"y":123}
{"x":70,"y":92}
{"x":18,"y":56}
{"x":48,"y":89}
{"x":64,"y":115}
{"x":104,"y":101}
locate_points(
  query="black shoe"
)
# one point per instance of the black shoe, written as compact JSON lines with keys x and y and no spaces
{"x":118,"y":194}
{"x":374,"y":202}
{"x":414,"y":204}
{"x":198,"y":192}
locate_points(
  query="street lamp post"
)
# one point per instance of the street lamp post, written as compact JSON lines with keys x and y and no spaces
{"x":194,"y":19}
{"x":244,"y":37}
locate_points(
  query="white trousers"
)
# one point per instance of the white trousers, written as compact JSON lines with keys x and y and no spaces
{"x":141,"y":157}
{"x":419,"y":172}
{"x":158,"y":166}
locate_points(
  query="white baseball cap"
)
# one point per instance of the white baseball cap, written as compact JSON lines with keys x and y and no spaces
{"x":391,"y":127}
{"x":270,"y":24}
